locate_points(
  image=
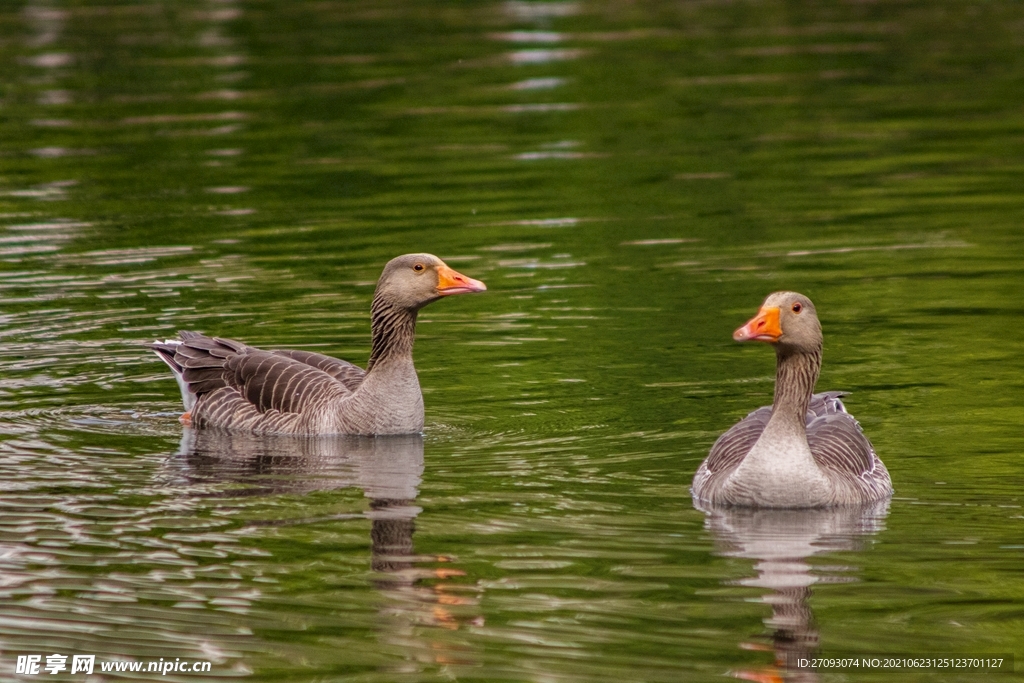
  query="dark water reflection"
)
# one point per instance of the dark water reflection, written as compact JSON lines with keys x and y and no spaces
{"x":630,"y":179}
{"x":781,"y":543}
{"x":388,"y":471}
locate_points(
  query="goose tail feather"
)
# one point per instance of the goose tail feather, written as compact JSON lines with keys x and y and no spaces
{"x":166,"y":351}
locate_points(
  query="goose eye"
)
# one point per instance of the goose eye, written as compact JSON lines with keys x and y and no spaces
{"x":418,"y":267}
{"x":797,"y":308}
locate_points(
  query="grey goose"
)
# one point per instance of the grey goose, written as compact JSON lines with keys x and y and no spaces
{"x":227,"y":384}
{"x":803,"y":451}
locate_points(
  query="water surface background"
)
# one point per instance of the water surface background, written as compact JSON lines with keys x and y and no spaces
{"x":630,"y":180}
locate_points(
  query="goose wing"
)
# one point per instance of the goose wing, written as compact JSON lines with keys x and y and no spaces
{"x":732,"y":446}
{"x":838,"y":445}
{"x":265,"y":380}
{"x":825,"y":403}
{"x":348,"y":374}
{"x":837,"y":442}
{"x":842,"y":451}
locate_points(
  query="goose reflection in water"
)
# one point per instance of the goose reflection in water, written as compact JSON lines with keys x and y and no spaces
{"x":780,"y":542}
{"x":389,"y":471}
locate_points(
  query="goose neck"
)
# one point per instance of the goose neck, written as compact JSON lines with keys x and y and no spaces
{"x":796,"y":373}
{"x":394,"y":330}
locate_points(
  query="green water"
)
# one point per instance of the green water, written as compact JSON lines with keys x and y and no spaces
{"x":630,"y":180}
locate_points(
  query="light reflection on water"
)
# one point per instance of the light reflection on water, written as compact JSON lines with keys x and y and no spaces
{"x":629,"y":182}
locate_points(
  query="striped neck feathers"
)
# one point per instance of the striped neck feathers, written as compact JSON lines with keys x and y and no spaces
{"x":796,"y":373}
{"x":394,"y":330}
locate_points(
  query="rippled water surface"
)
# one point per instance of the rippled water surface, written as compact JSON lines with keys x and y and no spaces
{"x":630,"y":180}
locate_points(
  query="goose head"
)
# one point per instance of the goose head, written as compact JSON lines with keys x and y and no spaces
{"x":414,"y":280}
{"x":787,"y":320}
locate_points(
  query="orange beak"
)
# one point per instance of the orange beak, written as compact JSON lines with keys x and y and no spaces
{"x":453,"y":282}
{"x":762,"y":327}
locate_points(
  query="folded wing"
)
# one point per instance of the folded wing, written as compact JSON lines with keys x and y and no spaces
{"x":224,"y":371}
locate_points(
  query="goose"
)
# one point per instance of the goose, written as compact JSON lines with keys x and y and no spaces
{"x":227,"y":384}
{"x":803,"y":451}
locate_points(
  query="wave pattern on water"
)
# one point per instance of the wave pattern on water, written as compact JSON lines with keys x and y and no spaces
{"x":630,"y":179}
